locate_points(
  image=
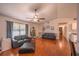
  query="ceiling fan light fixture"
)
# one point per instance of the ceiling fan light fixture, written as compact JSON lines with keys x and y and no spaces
{"x":36,"y":17}
{"x":35,"y":20}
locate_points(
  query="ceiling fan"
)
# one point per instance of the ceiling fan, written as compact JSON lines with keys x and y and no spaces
{"x":36,"y":17}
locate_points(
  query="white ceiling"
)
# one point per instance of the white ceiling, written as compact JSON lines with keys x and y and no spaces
{"x":47,"y":10}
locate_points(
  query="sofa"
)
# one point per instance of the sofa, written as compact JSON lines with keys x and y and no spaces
{"x":20,"y":40}
{"x":49,"y":36}
{"x":25,"y":44}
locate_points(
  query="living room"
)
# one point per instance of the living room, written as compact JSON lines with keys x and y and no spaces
{"x":36,"y":21}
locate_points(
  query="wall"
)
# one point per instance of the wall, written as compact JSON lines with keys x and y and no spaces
{"x":78,"y":29}
{"x":2,"y":28}
{"x":3,"y":20}
{"x":55,"y":23}
{"x":38,"y":28}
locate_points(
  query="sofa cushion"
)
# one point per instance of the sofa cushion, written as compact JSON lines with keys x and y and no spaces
{"x":20,"y":40}
{"x":17,"y":38}
{"x":49,"y":36}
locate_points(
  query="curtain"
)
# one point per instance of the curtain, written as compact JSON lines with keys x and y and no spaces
{"x":26,"y":27}
{"x":9,"y":29}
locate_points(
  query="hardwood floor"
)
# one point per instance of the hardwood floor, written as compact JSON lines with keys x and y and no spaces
{"x":44,"y":47}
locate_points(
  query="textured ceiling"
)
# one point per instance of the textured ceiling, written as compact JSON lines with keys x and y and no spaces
{"x":47,"y":10}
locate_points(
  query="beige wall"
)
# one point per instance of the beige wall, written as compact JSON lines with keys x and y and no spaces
{"x":3,"y":26}
{"x":38,"y":27}
{"x":55,"y":23}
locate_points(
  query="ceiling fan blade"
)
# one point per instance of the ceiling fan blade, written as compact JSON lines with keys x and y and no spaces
{"x":29,"y":18}
{"x":41,"y":18}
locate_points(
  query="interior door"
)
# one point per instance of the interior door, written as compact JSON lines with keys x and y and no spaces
{"x":60,"y":30}
{"x":63,"y":31}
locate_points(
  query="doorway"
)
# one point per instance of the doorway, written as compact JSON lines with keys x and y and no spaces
{"x":60,"y":31}
{"x":63,"y":30}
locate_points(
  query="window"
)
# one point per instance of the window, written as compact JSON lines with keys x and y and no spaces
{"x":18,"y":29}
{"x":22,"y":29}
